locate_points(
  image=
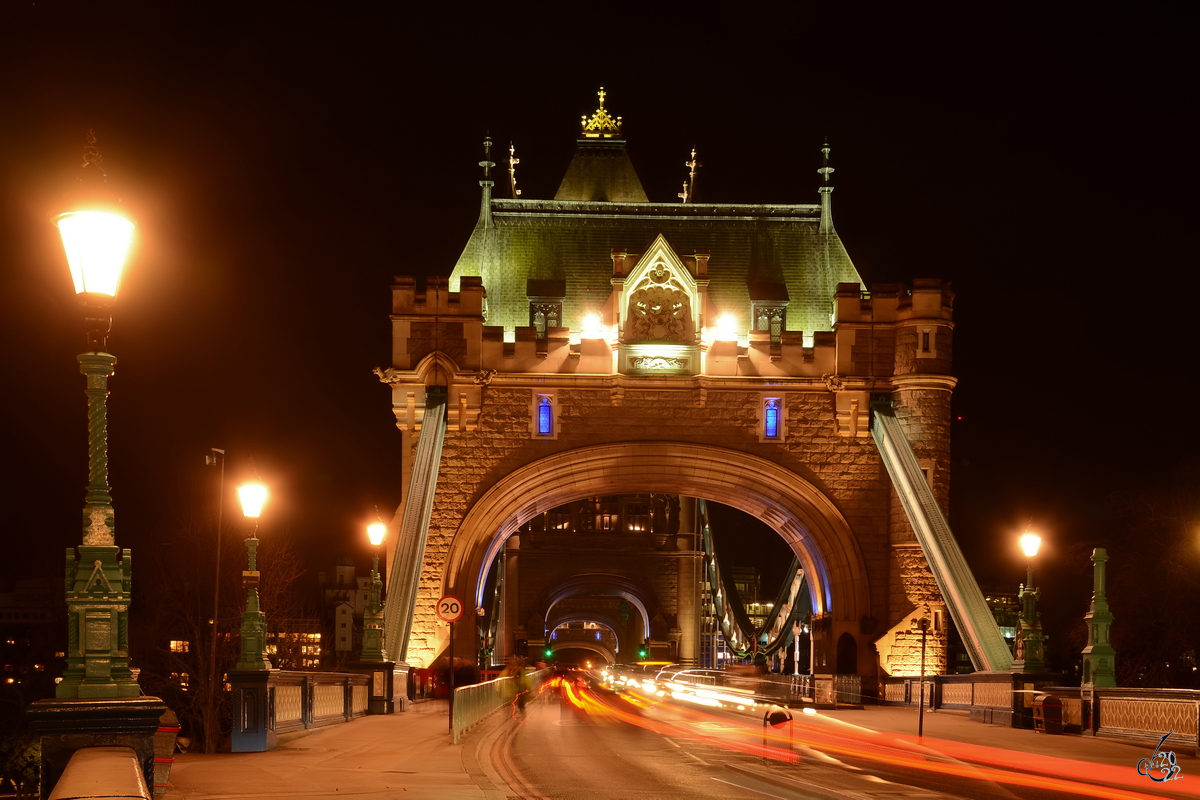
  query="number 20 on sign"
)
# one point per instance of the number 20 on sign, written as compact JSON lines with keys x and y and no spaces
{"x":449,"y":609}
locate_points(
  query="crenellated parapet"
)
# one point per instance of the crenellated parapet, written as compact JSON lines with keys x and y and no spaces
{"x":889,"y":332}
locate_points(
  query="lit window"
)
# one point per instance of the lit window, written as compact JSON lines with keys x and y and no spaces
{"x":771,"y":418}
{"x":543,"y":414}
{"x":179,"y":646}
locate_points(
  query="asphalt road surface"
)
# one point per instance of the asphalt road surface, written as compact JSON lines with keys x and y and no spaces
{"x":581,"y":742}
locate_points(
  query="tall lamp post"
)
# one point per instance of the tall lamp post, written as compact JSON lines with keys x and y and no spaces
{"x":372,"y":641}
{"x":210,"y":724}
{"x":254,"y":622}
{"x":97,"y":702}
{"x":96,"y":235}
{"x":1032,"y":656}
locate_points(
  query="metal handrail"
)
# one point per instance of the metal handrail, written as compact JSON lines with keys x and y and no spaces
{"x":472,"y":704}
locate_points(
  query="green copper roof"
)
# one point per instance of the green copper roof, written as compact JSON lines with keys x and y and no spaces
{"x":755,"y":252}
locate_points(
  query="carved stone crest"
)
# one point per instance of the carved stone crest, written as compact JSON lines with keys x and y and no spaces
{"x":659,"y":313}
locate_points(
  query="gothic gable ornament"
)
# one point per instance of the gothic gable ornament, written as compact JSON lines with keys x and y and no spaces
{"x":658,"y":298}
{"x":660,"y":311}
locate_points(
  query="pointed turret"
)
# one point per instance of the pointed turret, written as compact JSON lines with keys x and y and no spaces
{"x":485,"y":210}
{"x":601,"y":169}
{"x":826,"y":190}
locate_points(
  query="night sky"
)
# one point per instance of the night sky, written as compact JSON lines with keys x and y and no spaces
{"x":284,"y":163}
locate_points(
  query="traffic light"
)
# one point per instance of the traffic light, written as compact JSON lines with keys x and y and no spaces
{"x":549,"y":652}
{"x":644,"y":650}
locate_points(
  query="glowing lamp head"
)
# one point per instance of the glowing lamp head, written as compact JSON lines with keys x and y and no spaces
{"x":253,"y":497}
{"x":727,"y":327}
{"x":375,"y":532}
{"x":96,"y":244}
{"x":1030,"y":542}
{"x":592,"y":327}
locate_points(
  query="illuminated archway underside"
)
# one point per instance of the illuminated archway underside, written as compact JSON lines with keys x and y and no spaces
{"x":591,"y":647}
{"x":596,"y":583}
{"x":797,"y":510}
{"x":603,"y":620}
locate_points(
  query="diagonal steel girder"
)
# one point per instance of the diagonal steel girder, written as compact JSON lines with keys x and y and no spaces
{"x":981,"y":635}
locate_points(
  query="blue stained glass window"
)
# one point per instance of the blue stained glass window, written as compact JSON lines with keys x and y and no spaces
{"x":545,"y":417}
{"x":772,"y":419}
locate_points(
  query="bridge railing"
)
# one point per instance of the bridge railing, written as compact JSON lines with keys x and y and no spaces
{"x":475,"y":702}
{"x":270,"y":702}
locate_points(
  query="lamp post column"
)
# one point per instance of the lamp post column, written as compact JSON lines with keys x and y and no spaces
{"x":98,"y":595}
{"x":372,"y":640}
{"x":1099,"y":657}
{"x":254,"y":621}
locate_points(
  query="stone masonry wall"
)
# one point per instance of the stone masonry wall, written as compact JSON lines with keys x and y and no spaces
{"x":847,"y":469}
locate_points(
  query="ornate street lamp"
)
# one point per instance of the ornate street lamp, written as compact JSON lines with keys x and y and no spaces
{"x":372,"y":641}
{"x":1030,"y":657}
{"x":253,"y":496}
{"x":96,"y":236}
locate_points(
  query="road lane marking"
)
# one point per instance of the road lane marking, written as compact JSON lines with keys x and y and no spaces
{"x":750,"y":789}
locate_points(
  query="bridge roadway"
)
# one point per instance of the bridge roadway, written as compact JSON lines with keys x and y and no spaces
{"x":557,"y":753}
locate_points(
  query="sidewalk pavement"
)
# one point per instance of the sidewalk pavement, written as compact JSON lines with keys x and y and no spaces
{"x":412,"y":755}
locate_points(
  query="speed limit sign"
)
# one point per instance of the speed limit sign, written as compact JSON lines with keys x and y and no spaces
{"x":449,"y":609}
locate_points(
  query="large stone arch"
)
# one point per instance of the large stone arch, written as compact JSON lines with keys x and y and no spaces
{"x":802,"y":514}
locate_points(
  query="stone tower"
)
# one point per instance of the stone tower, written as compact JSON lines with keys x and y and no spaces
{"x":602,"y":344}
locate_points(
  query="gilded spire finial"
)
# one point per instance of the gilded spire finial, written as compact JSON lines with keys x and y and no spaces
{"x":689,"y":186}
{"x":512,"y":170}
{"x":601,"y":125}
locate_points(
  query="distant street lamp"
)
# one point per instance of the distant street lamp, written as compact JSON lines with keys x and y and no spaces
{"x":254,"y":623}
{"x":96,"y":236}
{"x":1031,"y":656}
{"x":372,"y":641}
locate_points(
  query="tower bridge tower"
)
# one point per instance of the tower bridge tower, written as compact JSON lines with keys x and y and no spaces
{"x":601,"y":347}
